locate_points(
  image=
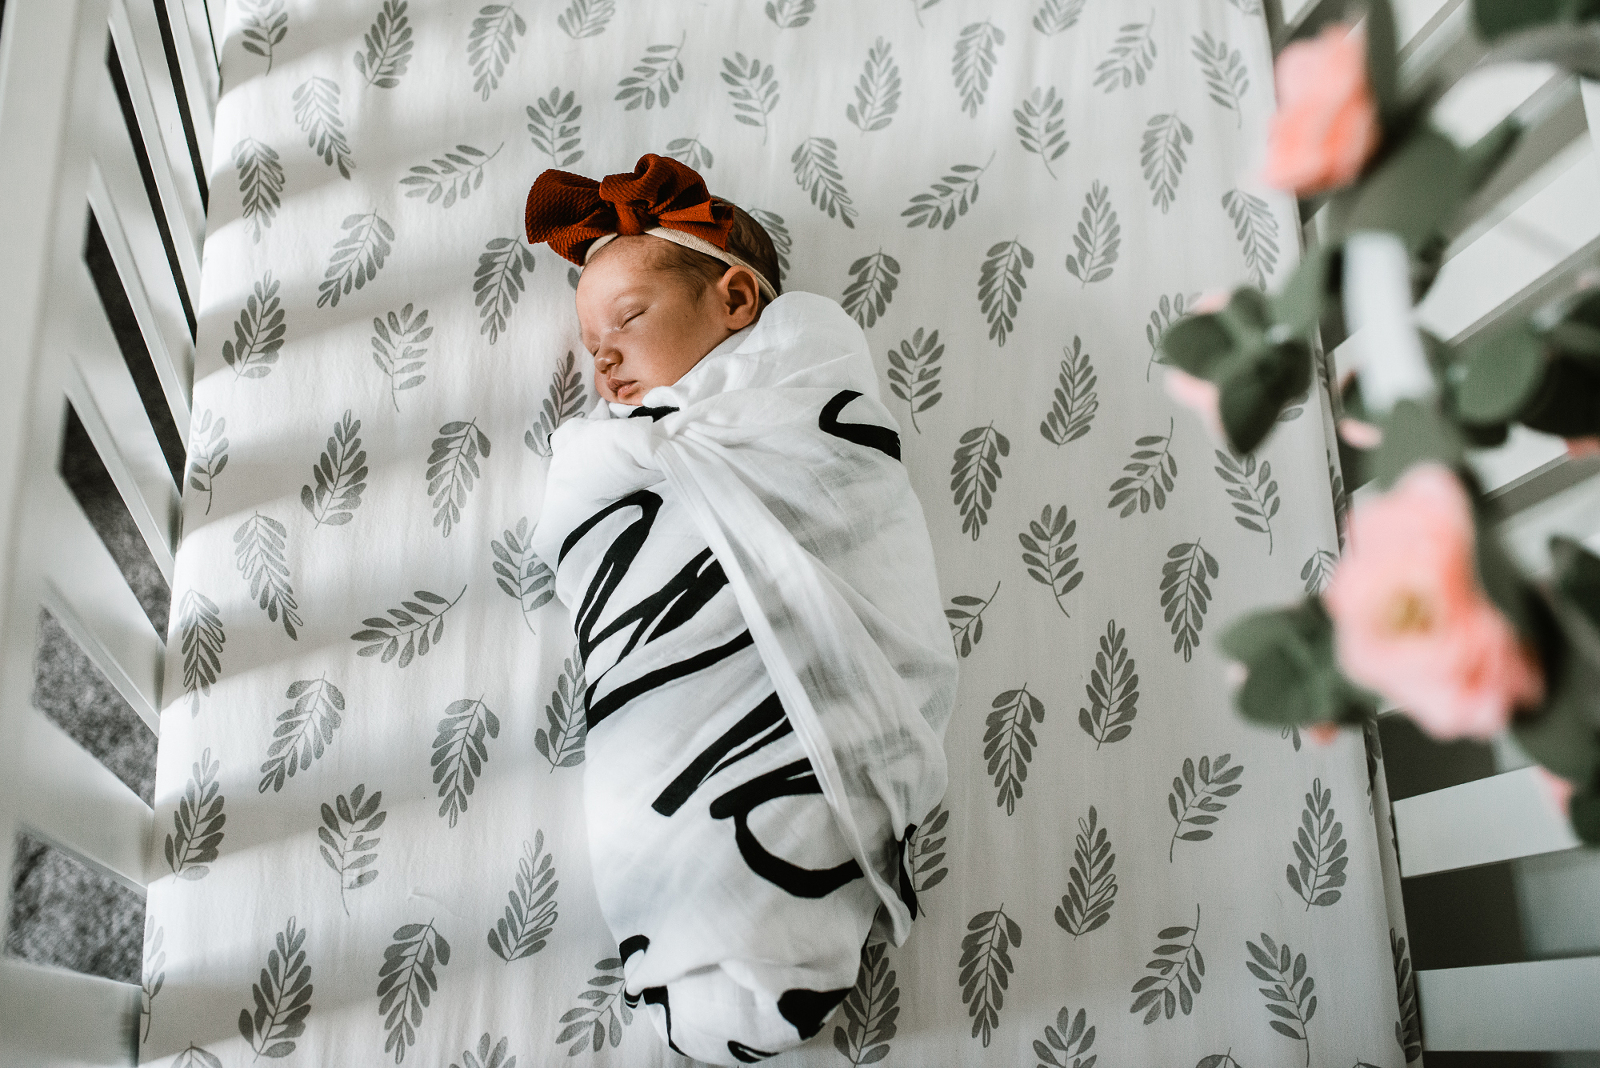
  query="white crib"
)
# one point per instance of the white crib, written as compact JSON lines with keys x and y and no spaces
{"x":69,"y":68}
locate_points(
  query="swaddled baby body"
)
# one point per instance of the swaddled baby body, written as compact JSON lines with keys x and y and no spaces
{"x":752,"y":593}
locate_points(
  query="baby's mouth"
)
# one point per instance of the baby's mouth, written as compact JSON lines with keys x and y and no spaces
{"x":619,"y":388}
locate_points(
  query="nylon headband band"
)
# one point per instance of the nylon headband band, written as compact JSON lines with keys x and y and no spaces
{"x":678,"y":237}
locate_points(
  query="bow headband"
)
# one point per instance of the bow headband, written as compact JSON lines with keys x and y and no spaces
{"x":662,"y":197}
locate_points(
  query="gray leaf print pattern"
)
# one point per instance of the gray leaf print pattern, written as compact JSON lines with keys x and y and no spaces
{"x":790,"y":14}
{"x":1098,"y":238}
{"x":586,"y":18}
{"x":451,"y":177}
{"x":197,"y":1057}
{"x":951,"y":196}
{"x":1054,"y":16}
{"x":260,"y":184}
{"x":154,"y":977}
{"x":1000,"y":286}
{"x":564,"y":401}
{"x":873,"y":282}
{"x":208,"y":455}
{"x":357,"y":257}
{"x":1219,"y":1060}
{"x":1318,"y":571}
{"x":340,"y":476}
{"x":490,"y":44}
{"x":264,"y":25}
{"x":406,"y":980}
{"x":1040,"y":126}
{"x":553,"y":125}
{"x":1194,"y":799}
{"x":1162,"y":156}
{"x":752,"y":88}
{"x":1168,"y":310}
{"x":452,"y":469}
{"x":690,"y":152}
{"x":878,"y":90}
{"x":1050,"y":554}
{"x":656,"y":78}
{"x":986,"y":968}
{"x":1177,"y":969}
{"x":1247,"y":7}
{"x":1150,"y":474}
{"x":1407,"y":1029}
{"x":974,"y":62}
{"x":1075,"y":402}
{"x":389,"y":46}
{"x":497,"y":283}
{"x":602,"y":1014}
{"x":1253,"y":490}
{"x":919,"y":6}
{"x":1289,"y":998}
{"x":419,"y":622}
{"x":561,"y":740}
{"x":925,"y":856}
{"x":816,"y":170}
{"x":1009,"y":742}
{"x":975,"y":474}
{"x":316,"y":109}
{"x":1092,"y":890}
{"x":1066,"y":1044}
{"x":201,"y":635}
{"x":257,"y":332}
{"x":1319,"y":848}
{"x":531,"y":910}
{"x":775,"y":227}
{"x":258,"y":554}
{"x":965,"y":617}
{"x":914,"y":372}
{"x":520,"y":574}
{"x":1257,"y":231}
{"x":487,"y":1057}
{"x":1227,"y":77}
{"x":282,"y":996}
{"x":345,"y":846}
{"x":398,"y":351}
{"x":1131,"y":57}
{"x":460,"y":750}
{"x":304,"y":732}
{"x":1113,"y":690}
{"x":870,"y":1010}
{"x":197,"y":822}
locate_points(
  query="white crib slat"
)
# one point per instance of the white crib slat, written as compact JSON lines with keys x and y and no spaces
{"x":199,"y":74}
{"x":52,"y":1018}
{"x":1502,"y":817}
{"x":1536,"y":1005}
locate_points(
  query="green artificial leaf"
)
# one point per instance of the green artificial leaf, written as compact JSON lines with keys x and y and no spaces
{"x":1484,"y":156}
{"x":1255,"y":392}
{"x":1414,"y":433}
{"x":1576,"y":576}
{"x":1294,"y":677}
{"x":1383,"y":58}
{"x":1498,"y":18}
{"x":1584,"y":812}
{"x":1414,"y":192}
{"x":1496,"y":373}
{"x":1298,"y":307}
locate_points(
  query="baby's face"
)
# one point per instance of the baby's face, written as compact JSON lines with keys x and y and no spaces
{"x":645,"y":326}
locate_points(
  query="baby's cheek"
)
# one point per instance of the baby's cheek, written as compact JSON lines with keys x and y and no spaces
{"x":600,"y":386}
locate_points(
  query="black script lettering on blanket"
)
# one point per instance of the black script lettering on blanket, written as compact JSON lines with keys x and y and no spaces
{"x":765,"y":723}
{"x":599,"y":710}
{"x":746,"y":1054}
{"x":655,"y":415}
{"x":791,"y":780}
{"x":631,"y":945}
{"x":908,"y":890}
{"x":806,"y":1009}
{"x":657,"y":995}
{"x":871,"y":435}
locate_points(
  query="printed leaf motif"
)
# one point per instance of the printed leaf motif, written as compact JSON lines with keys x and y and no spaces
{"x":282,"y":997}
{"x":316,"y":109}
{"x":520,"y":574}
{"x":564,"y":401}
{"x":398,"y":351}
{"x":656,"y":78}
{"x":197,"y":822}
{"x":487,"y":1057}
{"x":357,"y":257}
{"x":1162,"y":157}
{"x":1049,"y":557}
{"x":1257,"y":231}
{"x":1341,"y":500}
{"x":1066,"y":1044}
{"x":260,"y":184}
{"x":870,"y":1010}
{"x":1039,"y":126}
{"x":1000,"y":286}
{"x":1097,"y":238}
{"x":155,"y":976}
{"x":452,"y":467}
{"x":952,"y":195}
{"x":926,"y":859}
{"x":1092,"y":890}
{"x":973,"y":64}
{"x":790,"y":14}
{"x":208,"y":455}
{"x":561,"y":740}
{"x":1219,"y":1060}
{"x":531,"y":914}
{"x":1319,"y":848}
{"x":1057,"y":15}
{"x":1131,"y":57}
{"x":1253,"y":490}
{"x":197,"y":1057}
{"x":1247,"y":7}
{"x":1407,"y":1029}
{"x":460,"y":751}
{"x":1151,"y":473}
{"x":965,"y":617}
{"x":1194,"y":798}
{"x":257,"y":333}
{"x":816,"y":169}
{"x":877,"y":91}
{"x":340,"y":476}
{"x":914,"y":372}
{"x":419,"y":622}
{"x":1227,"y":77}
{"x":872,"y":286}
{"x":601,"y":1015}
{"x":345,"y":845}
{"x":406,"y":981}
{"x":490,"y":44}
{"x":201,"y":636}
{"x":1075,"y":402}
{"x":389,"y":46}
{"x":689,"y":151}
{"x":919,"y":6}
{"x":1176,"y":971}
{"x":553,"y":125}
{"x":986,"y":968}
{"x":258,"y":553}
{"x":586,"y":18}
{"x":974,"y":476}
{"x":1289,"y":997}
{"x":1009,"y":742}
{"x":263,"y":27}
{"x":775,"y":227}
{"x":752,"y":88}
{"x":304,"y":730}
{"x":1113,"y":690}
{"x":453,"y":176}
{"x":497,"y":283}
{"x":1185,"y":594}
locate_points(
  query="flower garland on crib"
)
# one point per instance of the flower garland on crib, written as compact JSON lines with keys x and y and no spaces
{"x":1425,"y":610}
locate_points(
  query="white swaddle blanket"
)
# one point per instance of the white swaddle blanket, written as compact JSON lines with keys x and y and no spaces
{"x":770,"y":673}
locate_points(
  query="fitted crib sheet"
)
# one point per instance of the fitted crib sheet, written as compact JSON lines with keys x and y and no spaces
{"x":370,"y":835}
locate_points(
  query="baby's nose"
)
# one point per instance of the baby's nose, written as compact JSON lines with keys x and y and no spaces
{"x":605,"y":361}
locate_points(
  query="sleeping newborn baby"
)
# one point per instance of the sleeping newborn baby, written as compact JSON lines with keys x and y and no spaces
{"x":752,"y":591}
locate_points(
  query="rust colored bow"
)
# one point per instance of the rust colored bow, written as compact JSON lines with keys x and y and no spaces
{"x":570,"y":211}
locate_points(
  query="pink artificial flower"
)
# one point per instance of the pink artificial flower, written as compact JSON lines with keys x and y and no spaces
{"x":1581,"y":448}
{"x":1411,"y":621}
{"x":1200,"y":395}
{"x":1326,"y":127}
{"x":1359,"y":435}
{"x":1323,"y":733}
{"x":1212,"y":302}
{"x":1557,"y":791}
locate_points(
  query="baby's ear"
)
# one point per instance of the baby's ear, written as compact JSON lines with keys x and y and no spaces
{"x":741,"y":297}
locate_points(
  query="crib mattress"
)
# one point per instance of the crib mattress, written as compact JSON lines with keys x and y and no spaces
{"x":369,"y":822}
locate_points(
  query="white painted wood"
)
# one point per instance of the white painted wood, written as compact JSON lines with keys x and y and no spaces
{"x":52,"y":1018}
{"x":1486,"y":821}
{"x":198,"y":71}
{"x":1536,"y":1005}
